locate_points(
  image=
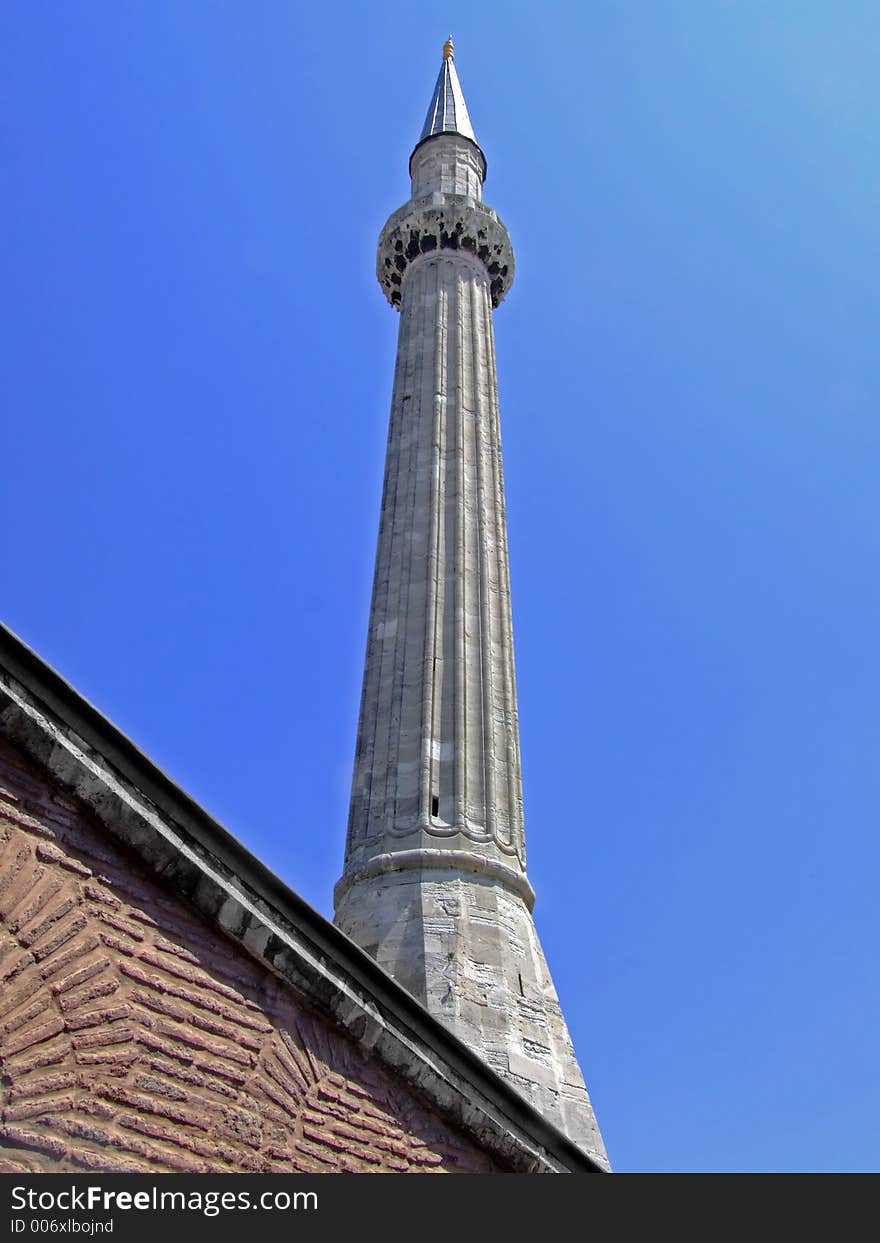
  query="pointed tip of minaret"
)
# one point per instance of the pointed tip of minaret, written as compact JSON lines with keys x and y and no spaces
{"x":447,"y":112}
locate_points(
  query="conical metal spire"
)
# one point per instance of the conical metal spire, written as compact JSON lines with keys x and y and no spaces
{"x":447,"y":113}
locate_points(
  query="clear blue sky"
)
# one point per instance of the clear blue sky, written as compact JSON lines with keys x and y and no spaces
{"x":197,"y":366}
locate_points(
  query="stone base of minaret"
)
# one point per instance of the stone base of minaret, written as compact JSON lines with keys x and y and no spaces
{"x":467,"y":948}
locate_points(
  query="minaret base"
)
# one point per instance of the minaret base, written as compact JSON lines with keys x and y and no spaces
{"x":466,"y":947}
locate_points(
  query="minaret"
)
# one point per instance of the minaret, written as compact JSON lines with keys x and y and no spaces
{"x":434,"y":884}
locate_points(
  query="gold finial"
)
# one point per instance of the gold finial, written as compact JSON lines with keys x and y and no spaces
{"x":448,"y":49}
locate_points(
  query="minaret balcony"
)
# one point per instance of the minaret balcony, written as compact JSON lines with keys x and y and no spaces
{"x":452,"y":223}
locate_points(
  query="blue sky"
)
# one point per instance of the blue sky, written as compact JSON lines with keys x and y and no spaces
{"x":196,"y":380}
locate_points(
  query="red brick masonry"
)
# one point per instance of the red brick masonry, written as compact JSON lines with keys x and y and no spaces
{"x":135,"y":1037}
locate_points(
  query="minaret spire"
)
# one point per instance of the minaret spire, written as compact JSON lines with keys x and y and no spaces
{"x":434,"y":884}
{"x":447,"y":111}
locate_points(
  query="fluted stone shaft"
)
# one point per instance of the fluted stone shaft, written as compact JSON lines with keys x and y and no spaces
{"x":438,"y":753}
{"x":434,"y":884}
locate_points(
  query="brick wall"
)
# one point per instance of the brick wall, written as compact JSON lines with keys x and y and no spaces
{"x":135,"y":1037}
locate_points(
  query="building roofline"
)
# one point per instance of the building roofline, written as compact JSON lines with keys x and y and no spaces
{"x":449,"y":1072}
